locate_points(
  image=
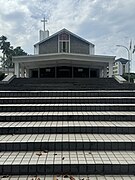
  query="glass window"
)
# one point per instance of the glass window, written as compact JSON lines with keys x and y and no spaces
{"x":64,"y":47}
{"x":64,"y":36}
{"x":64,"y":43}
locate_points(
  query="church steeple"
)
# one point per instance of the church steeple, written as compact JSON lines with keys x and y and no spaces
{"x":43,"y":34}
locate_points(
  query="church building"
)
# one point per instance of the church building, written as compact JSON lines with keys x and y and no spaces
{"x":63,"y":55}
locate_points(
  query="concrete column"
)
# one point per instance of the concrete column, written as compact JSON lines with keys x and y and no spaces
{"x":22,"y":71}
{"x":110,"y":69}
{"x":17,"y":69}
{"x":100,"y":73}
{"x":27,"y":73}
{"x":105,"y":72}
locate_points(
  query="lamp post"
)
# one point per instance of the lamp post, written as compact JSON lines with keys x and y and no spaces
{"x":128,"y":54}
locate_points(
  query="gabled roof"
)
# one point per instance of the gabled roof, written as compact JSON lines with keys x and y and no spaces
{"x":66,"y":31}
{"x":122,"y":60}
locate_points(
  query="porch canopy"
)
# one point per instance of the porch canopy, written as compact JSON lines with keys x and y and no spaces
{"x":63,"y":64}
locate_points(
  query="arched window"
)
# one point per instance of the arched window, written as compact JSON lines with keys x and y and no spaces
{"x":64,"y":43}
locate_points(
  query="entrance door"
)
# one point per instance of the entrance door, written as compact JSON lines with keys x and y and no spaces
{"x":34,"y":73}
{"x":47,"y":72}
{"x":80,"y":72}
{"x":94,"y":73}
{"x":64,"y":72}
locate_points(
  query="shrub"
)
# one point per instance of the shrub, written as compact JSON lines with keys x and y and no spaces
{"x":2,"y":76}
{"x":132,"y":76}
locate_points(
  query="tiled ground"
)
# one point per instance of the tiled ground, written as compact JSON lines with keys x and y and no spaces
{"x":38,"y":152}
{"x":68,"y":177}
{"x":68,"y":124}
{"x":61,"y":100}
{"x":78,"y":113}
{"x":72,"y":91}
{"x":68,"y":104}
{"x":67,"y":157}
{"x":67,"y":138}
{"x":68,"y":97}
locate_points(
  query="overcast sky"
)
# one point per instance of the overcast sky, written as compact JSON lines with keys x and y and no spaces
{"x":105,"y":23}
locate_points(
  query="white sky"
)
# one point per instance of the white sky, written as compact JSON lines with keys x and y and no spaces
{"x":105,"y":23}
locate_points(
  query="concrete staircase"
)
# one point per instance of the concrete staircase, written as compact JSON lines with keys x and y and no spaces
{"x":67,"y":135}
{"x":66,"y":84}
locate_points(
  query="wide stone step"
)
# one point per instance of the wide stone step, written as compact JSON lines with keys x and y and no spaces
{"x":68,"y":116}
{"x":65,"y":162}
{"x":67,"y":177}
{"x":65,"y":107}
{"x":40,"y":127}
{"x":87,"y":93}
{"x":61,"y":100}
{"x":65,"y":83}
{"x":69,"y":142}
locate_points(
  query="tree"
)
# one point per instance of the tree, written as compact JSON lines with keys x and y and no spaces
{"x":19,"y":52}
{"x":8,"y":52}
{"x":5,"y":47}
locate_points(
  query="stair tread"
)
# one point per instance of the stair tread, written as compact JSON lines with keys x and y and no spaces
{"x":68,"y":124}
{"x":94,"y":91}
{"x":67,"y":157}
{"x":76,"y":177}
{"x":68,"y":104}
{"x":68,"y":113}
{"x":67,"y":97}
{"x":100,"y":141}
{"x":16,"y":138}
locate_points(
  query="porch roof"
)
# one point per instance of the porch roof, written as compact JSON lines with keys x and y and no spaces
{"x":61,"y":56}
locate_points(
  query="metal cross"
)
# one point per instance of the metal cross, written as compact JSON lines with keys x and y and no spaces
{"x":44,"y":21}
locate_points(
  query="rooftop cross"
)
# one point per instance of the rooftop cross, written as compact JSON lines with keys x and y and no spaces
{"x":44,"y":21}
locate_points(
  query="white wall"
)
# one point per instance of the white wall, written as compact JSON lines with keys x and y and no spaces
{"x":36,"y":49}
{"x":120,"y":68}
{"x":92,"y":49}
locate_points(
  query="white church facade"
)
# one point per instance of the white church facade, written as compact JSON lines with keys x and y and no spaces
{"x":63,"y":55}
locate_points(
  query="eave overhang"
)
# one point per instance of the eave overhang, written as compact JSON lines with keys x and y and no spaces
{"x":65,"y":56}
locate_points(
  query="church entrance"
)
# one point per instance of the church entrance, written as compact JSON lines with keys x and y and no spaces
{"x":80,"y":72}
{"x":64,"y":72}
{"x":47,"y":72}
{"x":94,"y":73}
{"x":34,"y":73}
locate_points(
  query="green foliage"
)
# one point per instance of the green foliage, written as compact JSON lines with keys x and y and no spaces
{"x":2,"y":76}
{"x":8,"y":52}
{"x":19,"y":52}
{"x":125,"y":76}
{"x":132,"y":76}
